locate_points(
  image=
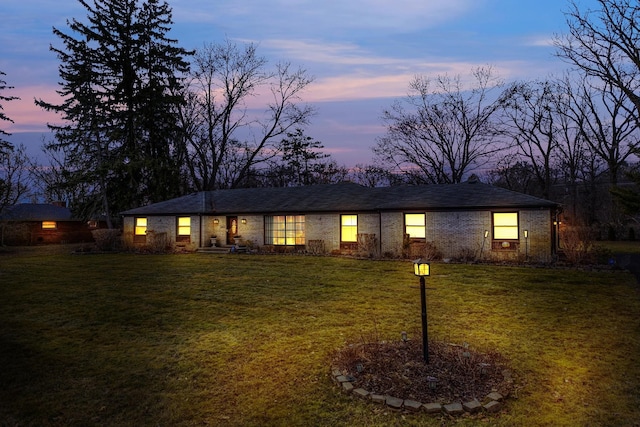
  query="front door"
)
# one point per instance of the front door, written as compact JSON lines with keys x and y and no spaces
{"x":232,"y":229}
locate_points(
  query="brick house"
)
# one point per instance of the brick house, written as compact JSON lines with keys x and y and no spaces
{"x":467,"y":220}
{"x":33,"y":224}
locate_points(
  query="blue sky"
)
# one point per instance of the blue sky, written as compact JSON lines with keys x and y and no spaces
{"x":362,"y":53}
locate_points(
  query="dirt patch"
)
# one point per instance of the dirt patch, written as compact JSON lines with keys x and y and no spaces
{"x":454,"y":373}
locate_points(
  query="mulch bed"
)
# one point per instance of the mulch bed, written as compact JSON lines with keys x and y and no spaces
{"x":455,"y":373}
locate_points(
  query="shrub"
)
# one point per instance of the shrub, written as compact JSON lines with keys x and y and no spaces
{"x":367,"y":245}
{"x":157,"y":242}
{"x":466,"y":255}
{"x":107,"y":239}
{"x":577,"y":244}
{"x":431,"y":252}
{"x":413,"y":249}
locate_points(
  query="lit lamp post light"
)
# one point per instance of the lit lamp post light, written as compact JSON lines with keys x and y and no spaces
{"x":421,"y":269}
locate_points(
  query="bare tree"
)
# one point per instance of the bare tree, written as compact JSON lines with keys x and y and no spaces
{"x":605,"y":44}
{"x":629,"y":197}
{"x":14,"y":176}
{"x":53,"y":180}
{"x":607,"y":123}
{"x":374,"y":175}
{"x":576,"y":159}
{"x":228,"y":136}
{"x":443,"y":130}
{"x":514,"y":173}
{"x":531,"y":121}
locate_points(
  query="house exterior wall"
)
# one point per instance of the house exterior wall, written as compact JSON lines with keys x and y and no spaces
{"x":162,"y":233}
{"x":539,"y":224}
{"x":324,"y":228}
{"x":127,"y":230}
{"x":456,"y":234}
{"x":451,"y":234}
{"x":392,"y":234}
{"x":17,"y":233}
{"x":460,"y":234}
{"x":252,"y":230}
{"x":213,"y":230}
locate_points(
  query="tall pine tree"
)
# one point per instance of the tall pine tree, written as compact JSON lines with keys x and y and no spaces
{"x":121,"y":76}
{"x":5,"y":146}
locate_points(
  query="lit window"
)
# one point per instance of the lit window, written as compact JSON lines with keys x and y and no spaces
{"x":184,"y":226}
{"x":505,"y":225}
{"x":414,"y":225}
{"x":49,"y":225}
{"x":284,"y":230}
{"x":141,"y":227}
{"x":184,"y":229}
{"x":349,"y":228}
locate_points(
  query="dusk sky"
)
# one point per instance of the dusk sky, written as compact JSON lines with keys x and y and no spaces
{"x":362,"y":53}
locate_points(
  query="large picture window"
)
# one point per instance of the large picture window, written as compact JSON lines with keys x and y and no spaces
{"x":505,"y":226}
{"x":348,"y":228}
{"x":414,"y":225}
{"x":285,"y":230}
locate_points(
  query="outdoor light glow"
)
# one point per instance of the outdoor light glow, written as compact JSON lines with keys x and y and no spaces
{"x":49,"y":225}
{"x":216,"y":221}
{"x":421,"y":268}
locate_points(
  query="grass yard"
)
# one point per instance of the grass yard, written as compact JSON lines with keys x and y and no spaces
{"x":181,"y":340}
{"x":625,"y":246}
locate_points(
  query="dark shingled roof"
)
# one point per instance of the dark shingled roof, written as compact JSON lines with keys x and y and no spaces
{"x":468,"y":195}
{"x":35,"y":212}
{"x":344,"y":197}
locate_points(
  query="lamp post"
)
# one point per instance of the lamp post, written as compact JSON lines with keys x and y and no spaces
{"x":421,"y":269}
{"x":486,"y":234}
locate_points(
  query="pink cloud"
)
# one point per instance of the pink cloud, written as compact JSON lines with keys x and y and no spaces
{"x":26,"y":116}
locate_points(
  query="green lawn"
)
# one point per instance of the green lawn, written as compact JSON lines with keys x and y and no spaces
{"x":181,"y":340}
{"x":624,"y":246}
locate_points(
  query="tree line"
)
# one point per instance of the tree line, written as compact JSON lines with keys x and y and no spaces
{"x":145,"y":120}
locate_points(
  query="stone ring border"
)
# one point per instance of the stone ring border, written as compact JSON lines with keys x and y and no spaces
{"x":492,"y":403}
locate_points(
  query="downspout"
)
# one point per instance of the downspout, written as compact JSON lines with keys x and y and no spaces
{"x":554,"y":221}
{"x":204,"y":204}
{"x":555,"y":231}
